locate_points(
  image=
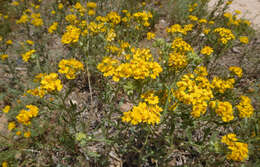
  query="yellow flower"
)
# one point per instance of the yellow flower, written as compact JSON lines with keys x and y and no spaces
{"x":203,"y":21}
{"x":4,"y":56}
{"x":36,"y":19}
{"x":229,"y":139}
{"x":71,"y":35}
{"x":111,"y":35}
{"x":53,"y":12}
{"x":18,"y":133}
{"x":222,"y":85}
{"x":6,"y":109}
{"x":23,"y":19}
{"x":91,"y":5}
{"x":51,"y":83}
{"x":201,"y":71}
{"x":113,"y":17}
{"x":236,"y":70}
{"x":245,"y":107}
{"x":9,"y":42}
{"x":39,"y":76}
{"x":225,"y":34}
{"x":227,"y":15}
{"x":239,"y":151}
{"x":193,"y":18}
{"x":4,"y":164}
{"x":206,"y":50}
{"x":15,"y":3}
{"x":27,"y":134}
{"x":37,"y":92}
{"x":243,"y":39}
{"x":237,"y":11}
{"x":30,"y":42}
{"x":143,"y":113}
{"x":229,"y":2}
{"x":33,"y":110}
{"x":11,"y":126}
{"x":71,"y":18}
{"x":206,"y":31}
{"x":224,"y":109}
{"x":177,"y":60}
{"x":80,"y":8}
{"x":53,"y":27}
{"x":247,"y":22}
{"x":140,"y":65}
{"x":195,"y":91}
{"x":150,"y":35}
{"x":150,"y":98}
{"x":26,"y":56}
{"x":70,"y":67}
{"x":60,"y":6}
{"x":211,"y":22}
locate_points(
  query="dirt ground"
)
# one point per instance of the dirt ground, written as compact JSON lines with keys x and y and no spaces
{"x":250,"y":9}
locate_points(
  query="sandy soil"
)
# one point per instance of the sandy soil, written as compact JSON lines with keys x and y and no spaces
{"x":250,"y":10}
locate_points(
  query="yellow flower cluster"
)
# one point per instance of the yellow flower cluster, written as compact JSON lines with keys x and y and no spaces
{"x":144,"y":113}
{"x":179,"y":45}
{"x":143,"y":18}
{"x":37,"y":92}
{"x":25,"y":116}
{"x":38,"y":77}
{"x":236,"y":70}
{"x":71,"y":35}
{"x":70,"y":67}
{"x":232,"y":20}
{"x":223,"y":109}
{"x":225,"y":34}
{"x":53,"y":27}
{"x":26,"y":56}
{"x":111,"y":35}
{"x":195,"y":91}
{"x":140,"y":65}
{"x":222,"y":85}
{"x":239,"y":150}
{"x":177,"y":58}
{"x":95,"y":28}
{"x":193,"y":18}
{"x":176,"y":28}
{"x":79,"y":8}
{"x":192,"y":7}
{"x":150,"y":98}
{"x":23,"y":19}
{"x":49,"y":83}
{"x":71,"y":18}
{"x":113,"y":18}
{"x":206,"y":50}
{"x":36,"y":19}
{"x":245,"y":107}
